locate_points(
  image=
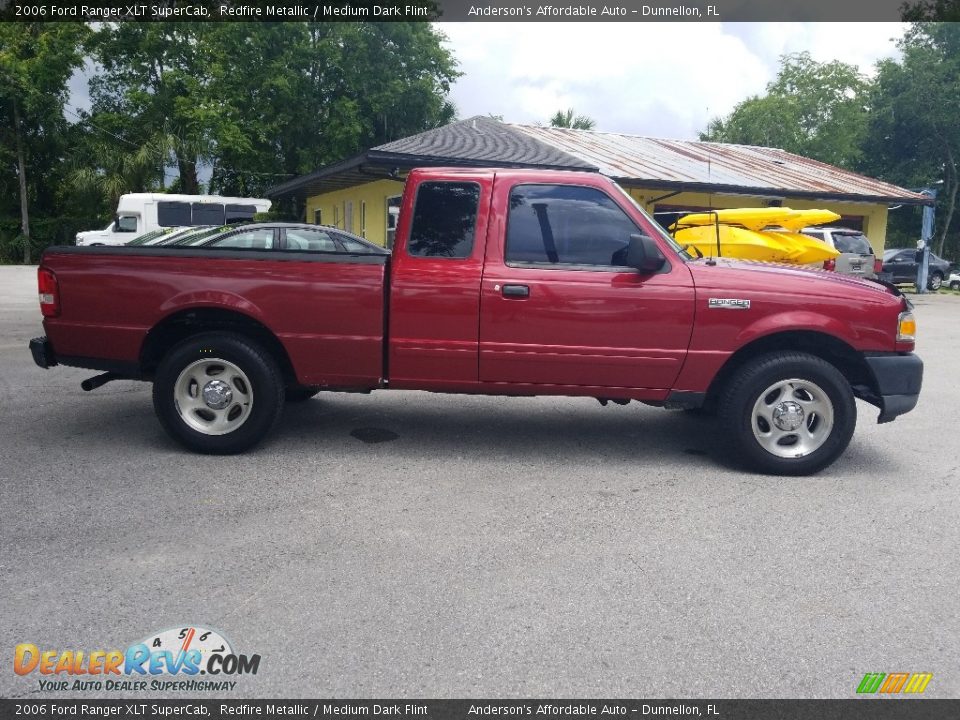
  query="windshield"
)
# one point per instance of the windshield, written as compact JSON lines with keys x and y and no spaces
{"x":656,"y":226}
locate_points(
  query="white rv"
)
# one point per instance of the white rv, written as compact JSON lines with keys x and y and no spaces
{"x":138,"y":213}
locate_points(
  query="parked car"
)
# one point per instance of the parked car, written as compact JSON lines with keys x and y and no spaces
{"x":902,"y":265}
{"x":953,"y":282}
{"x":500,"y":282}
{"x":289,"y":237}
{"x":856,"y":253}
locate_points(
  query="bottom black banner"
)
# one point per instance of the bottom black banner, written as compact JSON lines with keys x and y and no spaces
{"x":856,"y":709}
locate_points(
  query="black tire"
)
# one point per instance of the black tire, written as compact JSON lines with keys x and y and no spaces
{"x":258,"y":376}
{"x":300,"y":393}
{"x":955,"y":285}
{"x":935,"y":281}
{"x":751,"y":383}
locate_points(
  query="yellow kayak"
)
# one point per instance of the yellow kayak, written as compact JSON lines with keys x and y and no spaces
{"x":808,"y":250}
{"x":737,"y":242}
{"x":749,"y":218}
{"x":805,"y":218}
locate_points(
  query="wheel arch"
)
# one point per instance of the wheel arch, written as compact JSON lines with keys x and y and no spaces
{"x":829,"y":348}
{"x":187,"y":322}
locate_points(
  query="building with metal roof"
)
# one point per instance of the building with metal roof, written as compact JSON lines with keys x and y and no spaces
{"x":361,"y":194}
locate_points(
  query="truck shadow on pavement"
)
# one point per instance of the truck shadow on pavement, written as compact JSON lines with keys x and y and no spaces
{"x":573,"y":430}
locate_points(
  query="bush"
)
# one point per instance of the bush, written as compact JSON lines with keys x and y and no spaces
{"x":44,"y":232}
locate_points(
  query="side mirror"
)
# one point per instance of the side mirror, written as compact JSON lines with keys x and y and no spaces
{"x":643,"y":254}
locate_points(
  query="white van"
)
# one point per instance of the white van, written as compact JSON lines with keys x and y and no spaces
{"x":138,"y":213}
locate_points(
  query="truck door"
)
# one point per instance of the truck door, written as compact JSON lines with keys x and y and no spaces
{"x":558,"y":306}
{"x":435,"y":282}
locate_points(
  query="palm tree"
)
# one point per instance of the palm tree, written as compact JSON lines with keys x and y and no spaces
{"x":566,"y":119}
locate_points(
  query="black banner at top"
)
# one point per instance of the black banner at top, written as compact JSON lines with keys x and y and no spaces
{"x":42,"y":708}
{"x":459,"y":10}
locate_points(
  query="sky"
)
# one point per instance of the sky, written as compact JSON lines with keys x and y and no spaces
{"x":655,"y":79}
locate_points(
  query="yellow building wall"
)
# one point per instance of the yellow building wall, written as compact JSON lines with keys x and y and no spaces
{"x":373,"y":197}
{"x":874,"y":215}
{"x":369,"y":199}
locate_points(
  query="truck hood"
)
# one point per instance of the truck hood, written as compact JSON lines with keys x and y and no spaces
{"x":730,"y":273}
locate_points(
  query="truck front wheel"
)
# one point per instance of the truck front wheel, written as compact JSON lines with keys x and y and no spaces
{"x":218,"y":393}
{"x":788,"y":413}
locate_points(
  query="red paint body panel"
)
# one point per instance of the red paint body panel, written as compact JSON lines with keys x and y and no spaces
{"x":603,"y":333}
{"x":435,"y":303}
{"x":582,"y":327}
{"x":328,"y":316}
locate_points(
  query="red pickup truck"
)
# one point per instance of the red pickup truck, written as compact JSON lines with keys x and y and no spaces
{"x":501,"y":282}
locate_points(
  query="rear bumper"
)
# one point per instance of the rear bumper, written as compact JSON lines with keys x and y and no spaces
{"x":896,"y":387}
{"x":42,"y":352}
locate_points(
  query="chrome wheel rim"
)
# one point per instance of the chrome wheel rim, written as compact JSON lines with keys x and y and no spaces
{"x":792,"y":418}
{"x":213,"y":396}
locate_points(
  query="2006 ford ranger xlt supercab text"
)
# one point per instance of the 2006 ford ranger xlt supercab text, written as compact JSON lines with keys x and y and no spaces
{"x":501,"y":282}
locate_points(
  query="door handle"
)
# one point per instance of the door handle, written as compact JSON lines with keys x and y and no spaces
{"x":516,"y":291}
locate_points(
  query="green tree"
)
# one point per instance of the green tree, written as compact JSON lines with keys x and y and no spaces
{"x":914,"y":135}
{"x":567,"y":119}
{"x":36,"y":62}
{"x":152,"y":91}
{"x":818,"y":110}
{"x":320,"y":92}
{"x":260,"y":102}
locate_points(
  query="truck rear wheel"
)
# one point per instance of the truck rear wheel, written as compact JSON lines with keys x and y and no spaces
{"x":788,"y":413}
{"x":218,"y":393}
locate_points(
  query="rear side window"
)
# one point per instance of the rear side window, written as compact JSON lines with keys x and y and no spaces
{"x":566,"y":225}
{"x":172,"y":214}
{"x":444,"y":219}
{"x":852,"y":243}
{"x":310,"y":240}
{"x":259,"y":239}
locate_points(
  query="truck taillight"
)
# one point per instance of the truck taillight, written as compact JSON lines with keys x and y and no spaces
{"x":49,"y":292}
{"x":878,"y":265}
{"x":830,"y":264}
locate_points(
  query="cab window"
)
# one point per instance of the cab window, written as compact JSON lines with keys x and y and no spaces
{"x":564,"y":225}
{"x":444,"y":219}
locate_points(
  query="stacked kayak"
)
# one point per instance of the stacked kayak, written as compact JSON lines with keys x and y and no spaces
{"x":766,"y":234}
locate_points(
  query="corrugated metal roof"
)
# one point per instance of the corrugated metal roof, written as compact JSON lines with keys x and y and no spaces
{"x":630,"y":159}
{"x":689,"y":163}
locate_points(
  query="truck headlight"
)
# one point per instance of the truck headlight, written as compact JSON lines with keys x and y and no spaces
{"x":906,"y":327}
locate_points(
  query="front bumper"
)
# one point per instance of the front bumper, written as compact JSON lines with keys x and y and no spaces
{"x":896,"y":387}
{"x":42,"y":352}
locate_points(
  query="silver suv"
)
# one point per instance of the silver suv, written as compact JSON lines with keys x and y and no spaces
{"x":856,"y":254}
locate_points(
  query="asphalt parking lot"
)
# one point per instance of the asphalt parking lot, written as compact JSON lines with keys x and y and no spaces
{"x":418,"y":545}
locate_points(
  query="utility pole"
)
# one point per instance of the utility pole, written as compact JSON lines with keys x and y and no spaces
{"x":926,"y":237}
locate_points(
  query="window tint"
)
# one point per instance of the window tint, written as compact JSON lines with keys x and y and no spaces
{"x":236,"y":213}
{"x":815,"y":235}
{"x":444,"y":219}
{"x":558,"y":224}
{"x":171,"y":214}
{"x":207,"y":214}
{"x":852,"y":243}
{"x":260,"y":239}
{"x":310,"y":240}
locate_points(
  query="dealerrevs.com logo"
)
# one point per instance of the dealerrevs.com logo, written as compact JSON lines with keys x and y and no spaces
{"x":182,"y":653}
